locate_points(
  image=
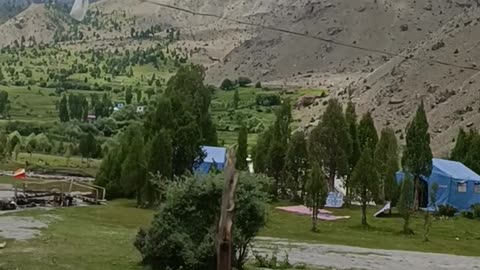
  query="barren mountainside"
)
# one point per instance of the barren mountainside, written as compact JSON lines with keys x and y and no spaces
{"x":391,"y":87}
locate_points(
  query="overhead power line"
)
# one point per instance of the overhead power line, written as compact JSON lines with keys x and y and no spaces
{"x":332,"y":41}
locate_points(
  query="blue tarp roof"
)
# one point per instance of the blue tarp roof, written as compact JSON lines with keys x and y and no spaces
{"x":454,"y":169}
{"x":214,"y":154}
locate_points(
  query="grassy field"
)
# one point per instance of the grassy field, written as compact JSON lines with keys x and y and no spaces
{"x":81,"y":238}
{"x":383,"y":234}
{"x":52,"y":163}
{"x":90,"y":237}
{"x":229,"y":120}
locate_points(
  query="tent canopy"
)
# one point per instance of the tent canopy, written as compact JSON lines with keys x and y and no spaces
{"x":454,"y":170}
{"x":213,"y":156}
{"x":458,"y":185}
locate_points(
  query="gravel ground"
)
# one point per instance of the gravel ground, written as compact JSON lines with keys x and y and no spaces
{"x":20,"y":228}
{"x":345,"y":257}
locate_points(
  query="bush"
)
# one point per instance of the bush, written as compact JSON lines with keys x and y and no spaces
{"x":244,"y":81}
{"x":258,"y":85}
{"x":182,"y":234}
{"x":268,"y":100}
{"x":447,"y":210}
{"x":227,"y":84}
{"x":476,"y":210}
{"x":467,"y":214}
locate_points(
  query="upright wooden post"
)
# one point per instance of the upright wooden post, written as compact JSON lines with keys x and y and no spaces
{"x":224,"y":233}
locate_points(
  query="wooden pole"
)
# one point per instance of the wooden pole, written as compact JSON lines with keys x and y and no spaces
{"x":224,"y":233}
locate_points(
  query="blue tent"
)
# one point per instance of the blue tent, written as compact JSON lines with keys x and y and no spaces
{"x":458,"y":186}
{"x":214,"y":156}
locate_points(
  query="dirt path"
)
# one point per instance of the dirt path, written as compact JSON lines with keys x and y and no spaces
{"x":345,"y":257}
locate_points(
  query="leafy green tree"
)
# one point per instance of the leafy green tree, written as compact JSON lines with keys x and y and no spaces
{"x":2,"y":77}
{"x":244,"y":81}
{"x":242,"y":148}
{"x":4,"y":103}
{"x":139,"y":96}
{"x":387,"y":164}
{"x":16,"y":151}
{"x":128,"y":96}
{"x":3,"y":145}
{"x":236,"y":99}
{"x":258,"y":85}
{"x":68,"y":153}
{"x":354,"y":155}
{"x":334,"y":142}
{"x":417,"y":154}
{"x":227,"y":84}
{"x":364,"y":181}
{"x":63,"y":109}
{"x":182,"y":233}
{"x":297,"y":165}
{"x":406,"y":203}
{"x":88,"y":146}
{"x":317,"y":192}
{"x":367,"y":134}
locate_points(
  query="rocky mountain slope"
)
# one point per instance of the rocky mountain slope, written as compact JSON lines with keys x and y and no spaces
{"x":389,"y":86}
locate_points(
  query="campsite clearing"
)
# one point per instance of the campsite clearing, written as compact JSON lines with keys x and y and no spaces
{"x":104,"y":235}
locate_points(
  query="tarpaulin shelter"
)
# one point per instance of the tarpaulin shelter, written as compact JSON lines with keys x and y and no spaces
{"x":458,"y":185}
{"x":215,"y":158}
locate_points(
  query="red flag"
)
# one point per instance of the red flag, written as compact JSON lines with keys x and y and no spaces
{"x":19,"y":174}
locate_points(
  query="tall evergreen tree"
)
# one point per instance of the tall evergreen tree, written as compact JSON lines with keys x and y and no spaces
{"x":472,"y":157}
{"x":63,"y":109}
{"x":2,"y":77}
{"x":297,"y":165}
{"x":354,"y":155}
{"x":242,"y":148}
{"x":260,"y":152}
{"x":317,"y":192}
{"x":462,"y":145}
{"x":128,"y":95}
{"x":367,"y":134}
{"x":364,"y":181}
{"x":334,"y":144}
{"x":406,"y":203}
{"x":3,"y":145}
{"x":134,"y":168}
{"x":236,"y":99}
{"x":387,"y":164}
{"x":278,"y":146}
{"x":417,"y":154}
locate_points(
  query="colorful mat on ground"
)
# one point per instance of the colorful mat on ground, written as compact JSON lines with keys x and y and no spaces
{"x":305,"y":211}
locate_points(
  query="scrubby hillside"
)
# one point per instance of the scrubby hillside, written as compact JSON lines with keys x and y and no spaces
{"x":390,"y":86}
{"x":451,"y":94}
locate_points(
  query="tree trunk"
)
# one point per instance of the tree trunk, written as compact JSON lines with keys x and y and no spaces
{"x":364,"y":213}
{"x":331,"y":181}
{"x":406,"y":219}
{"x":224,"y":232}
{"x":416,"y":195}
{"x":314,"y":218}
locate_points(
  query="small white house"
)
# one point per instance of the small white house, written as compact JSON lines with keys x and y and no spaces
{"x":141,"y":109}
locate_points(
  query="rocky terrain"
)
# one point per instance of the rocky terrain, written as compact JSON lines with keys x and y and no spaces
{"x":390,"y":86}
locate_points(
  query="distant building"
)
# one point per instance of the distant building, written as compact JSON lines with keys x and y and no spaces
{"x":141,"y":109}
{"x":119,"y":105}
{"x":215,"y":158}
{"x":91,"y":118}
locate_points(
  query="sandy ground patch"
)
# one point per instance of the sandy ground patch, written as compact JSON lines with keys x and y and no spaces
{"x":345,"y":257}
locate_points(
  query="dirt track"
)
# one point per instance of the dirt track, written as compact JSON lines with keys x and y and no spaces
{"x":345,"y":257}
